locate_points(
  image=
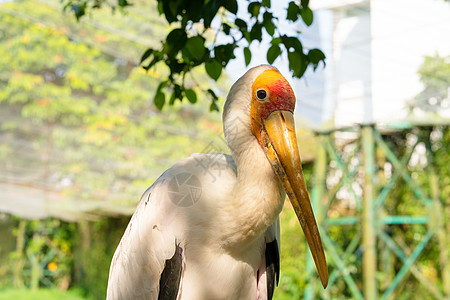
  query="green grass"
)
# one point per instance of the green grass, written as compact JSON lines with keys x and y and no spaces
{"x":41,"y":294}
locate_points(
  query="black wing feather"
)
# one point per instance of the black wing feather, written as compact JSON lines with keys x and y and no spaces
{"x":272,"y":267}
{"x":169,"y":283}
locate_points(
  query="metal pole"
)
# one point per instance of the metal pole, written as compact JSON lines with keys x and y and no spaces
{"x":318,"y":186}
{"x":438,"y":217}
{"x":317,"y":192}
{"x":368,"y":221}
{"x":20,"y":254}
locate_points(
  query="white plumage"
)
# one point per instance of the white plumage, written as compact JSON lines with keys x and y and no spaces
{"x":219,"y":210}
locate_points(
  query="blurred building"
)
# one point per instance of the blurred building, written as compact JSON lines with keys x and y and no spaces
{"x":374,"y":49}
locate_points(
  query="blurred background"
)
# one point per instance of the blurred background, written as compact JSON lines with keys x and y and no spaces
{"x":81,"y":140}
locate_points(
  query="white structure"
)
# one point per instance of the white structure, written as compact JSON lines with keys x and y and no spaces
{"x":374,"y":49}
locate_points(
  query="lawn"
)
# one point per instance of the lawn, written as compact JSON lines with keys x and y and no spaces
{"x":41,"y":294}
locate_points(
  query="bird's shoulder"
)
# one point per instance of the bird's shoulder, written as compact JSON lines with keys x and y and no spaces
{"x":211,"y":162}
{"x":199,"y":177}
{"x":204,"y":176}
{"x":194,"y":175}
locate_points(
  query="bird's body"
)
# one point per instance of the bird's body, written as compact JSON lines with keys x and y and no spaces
{"x":160,"y":223}
{"x":208,"y":228}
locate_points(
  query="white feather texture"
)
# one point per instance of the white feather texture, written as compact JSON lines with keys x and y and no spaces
{"x":223,"y":234}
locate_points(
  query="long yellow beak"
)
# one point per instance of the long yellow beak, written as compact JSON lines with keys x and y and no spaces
{"x":280,"y":145}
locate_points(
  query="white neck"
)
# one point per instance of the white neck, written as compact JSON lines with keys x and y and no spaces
{"x":257,"y":195}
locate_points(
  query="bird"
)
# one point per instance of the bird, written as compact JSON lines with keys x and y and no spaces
{"x":208,"y":227}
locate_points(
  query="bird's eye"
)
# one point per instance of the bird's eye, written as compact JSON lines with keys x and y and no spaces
{"x":261,"y":95}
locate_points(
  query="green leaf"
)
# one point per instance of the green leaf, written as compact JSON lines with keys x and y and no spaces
{"x":256,"y":32}
{"x":175,"y":66}
{"x":226,"y":28}
{"x":209,"y":11}
{"x":241,"y":24}
{"x":172,"y":98}
{"x":253,"y":8}
{"x":172,"y":9}
{"x":272,"y":54}
{"x":176,"y":94}
{"x":230,"y":5}
{"x":266,"y":3}
{"x":293,"y":11}
{"x":191,"y":95}
{"x":247,"y":55}
{"x":213,"y":106}
{"x":195,"y":47}
{"x":159,"y":99}
{"x":214,"y":99}
{"x":160,"y":7}
{"x":276,"y":41}
{"x":292,"y":43}
{"x":268,"y":24}
{"x":123,"y":3}
{"x":146,"y":55}
{"x":270,"y":28}
{"x":295,"y":60}
{"x":79,"y":10}
{"x":177,"y":89}
{"x":315,"y":56}
{"x":157,"y":56}
{"x":224,"y":53}
{"x":307,"y":16}
{"x":191,"y":11}
{"x":213,"y":68}
{"x":175,"y":41}
{"x":297,"y":63}
{"x":212,"y":94}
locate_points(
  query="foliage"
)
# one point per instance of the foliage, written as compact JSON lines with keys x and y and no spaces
{"x":94,"y":246}
{"x":435,"y":76}
{"x":7,"y":245}
{"x":418,"y":190}
{"x":77,"y":111}
{"x":49,"y":245}
{"x":207,"y":33}
{"x":403,"y":201}
{"x":292,"y":256}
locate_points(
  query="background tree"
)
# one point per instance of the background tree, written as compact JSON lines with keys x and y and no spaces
{"x":78,"y":128}
{"x":435,"y":76}
{"x":70,"y":109}
{"x":207,"y":33}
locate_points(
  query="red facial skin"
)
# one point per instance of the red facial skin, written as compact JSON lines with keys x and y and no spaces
{"x":281,"y":97}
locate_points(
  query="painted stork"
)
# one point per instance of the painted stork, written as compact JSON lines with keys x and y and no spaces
{"x":208,"y":228}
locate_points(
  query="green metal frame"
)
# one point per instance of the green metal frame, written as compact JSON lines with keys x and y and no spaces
{"x":370,"y":218}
